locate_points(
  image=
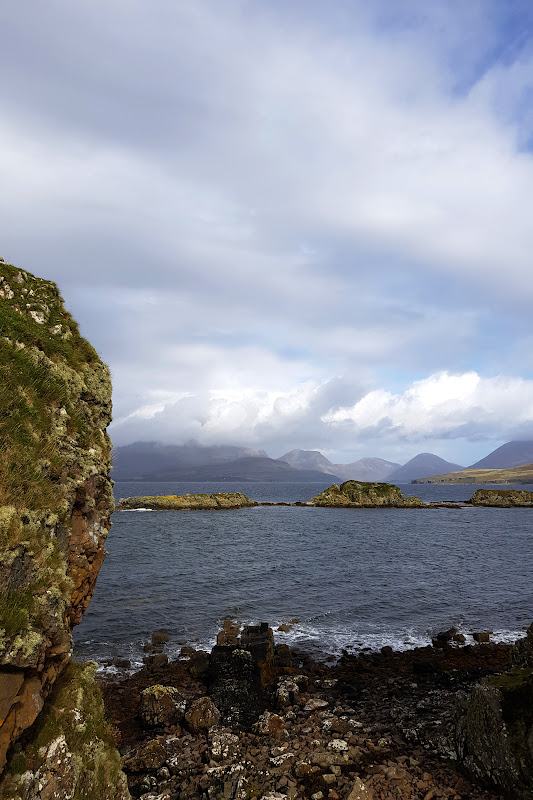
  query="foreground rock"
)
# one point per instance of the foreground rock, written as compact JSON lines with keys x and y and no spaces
{"x":55,"y":506}
{"x":172,"y":502}
{"x":495,"y":726}
{"x":371,"y":727}
{"x":356,"y":494}
{"x":502,"y":498}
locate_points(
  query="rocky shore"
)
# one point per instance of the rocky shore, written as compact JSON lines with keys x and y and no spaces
{"x":254,"y":720}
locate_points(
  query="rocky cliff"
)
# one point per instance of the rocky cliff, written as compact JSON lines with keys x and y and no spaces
{"x":356,"y":494}
{"x":55,"y":505}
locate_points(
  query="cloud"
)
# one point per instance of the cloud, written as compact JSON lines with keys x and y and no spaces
{"x":315,"y":415}
{"x":252,"y":207}
{"x":445,"y":406}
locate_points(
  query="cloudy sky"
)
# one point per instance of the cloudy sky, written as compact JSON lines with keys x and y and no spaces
{"x":284,"y":224}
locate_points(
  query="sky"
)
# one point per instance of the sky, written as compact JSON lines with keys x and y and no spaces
{"x":283,"y":224}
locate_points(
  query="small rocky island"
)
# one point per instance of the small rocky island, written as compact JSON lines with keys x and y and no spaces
{"x":350,"y":494}
{"x":358,"y":494}
{"x":192,"y":502}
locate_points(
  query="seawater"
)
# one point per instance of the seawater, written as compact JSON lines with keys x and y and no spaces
{"x":353,"y":578}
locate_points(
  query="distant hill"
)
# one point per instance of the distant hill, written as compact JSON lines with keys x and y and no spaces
{"x":366,"y":469}
{"x":135,"y":460}
{"x":512,"y":454}
{"x":422,"y":466}
{"x":255,"y":468}
{"x":521,"y":474}
{"x":309,"y":459}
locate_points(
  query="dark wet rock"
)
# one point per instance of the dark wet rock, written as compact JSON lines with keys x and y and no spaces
{"x":235,"y":686}
{"x":495,"y":733}
{"x":426,"y":666}
{"x":482,"y":636}
{"x":522,"y":652}
{"x":159,"y":637}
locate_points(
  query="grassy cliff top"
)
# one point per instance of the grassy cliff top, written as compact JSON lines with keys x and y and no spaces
{"x":49,"y":376}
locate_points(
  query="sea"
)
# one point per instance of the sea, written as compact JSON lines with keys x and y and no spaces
{"x":342,"y":579}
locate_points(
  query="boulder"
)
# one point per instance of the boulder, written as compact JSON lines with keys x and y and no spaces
{"x":494,"y":733}
{"x":202,"y":715}
{"x":162,"y":706}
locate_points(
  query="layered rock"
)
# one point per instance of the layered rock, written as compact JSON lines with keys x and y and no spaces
{"x":502,"y":498}
{"x":357,"y":494}
{"x":55,"y":492}
{"x":194,"y":502}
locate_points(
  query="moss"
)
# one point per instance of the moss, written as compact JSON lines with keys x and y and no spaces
{"x":18,"y":764}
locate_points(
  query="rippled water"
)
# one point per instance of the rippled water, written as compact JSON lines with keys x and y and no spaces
{"x":353,"y":578}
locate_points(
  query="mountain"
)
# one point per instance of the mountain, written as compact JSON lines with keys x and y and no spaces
{"x":372,"y":470}
{"x":133,"y":461}
{"x":250,"y":468}
{"x":512,"y":454}
{"x":366,"y":469}
{"x":309,"y":459}
{"x":422,"y":466}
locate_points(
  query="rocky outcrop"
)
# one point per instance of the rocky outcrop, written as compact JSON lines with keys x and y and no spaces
{"x":494,"y":731}
{"x":193,"y":502}
{"x":55,"y":492}
{"x":72,"y":751}
{"x":502,"y":498}
{"x":356,"y":494}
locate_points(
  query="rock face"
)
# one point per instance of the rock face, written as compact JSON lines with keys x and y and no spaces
{"x":502,"y":498}
{"x":201,"y":502}
{"x":494,"y":732}
{"x":355,"y":494}
{"x":55,"y":493}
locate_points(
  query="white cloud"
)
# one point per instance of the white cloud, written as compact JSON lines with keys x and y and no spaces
{"x":445,"y":406}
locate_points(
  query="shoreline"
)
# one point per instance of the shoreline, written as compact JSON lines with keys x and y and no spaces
{"x":382,"y":720}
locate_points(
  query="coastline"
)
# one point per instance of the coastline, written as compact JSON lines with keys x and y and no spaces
{"x":384,"y":723}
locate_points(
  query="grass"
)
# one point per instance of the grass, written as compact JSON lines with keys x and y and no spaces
{"x":16,"y":608}
{"x":517,"y":475}
{"x":39,"y":393}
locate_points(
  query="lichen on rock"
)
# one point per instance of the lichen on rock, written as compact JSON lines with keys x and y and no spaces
{"x":72,"y":753}
{"x":55,"y":491}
